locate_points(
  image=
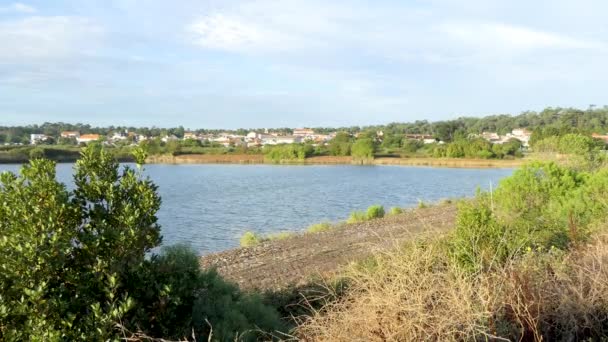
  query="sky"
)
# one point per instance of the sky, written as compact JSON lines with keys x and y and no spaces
{"x":292,"y":63}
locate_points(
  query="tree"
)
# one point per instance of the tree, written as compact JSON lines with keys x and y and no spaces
{"x":73,"y":263}
{"x":63,"y":255}
{"x":340,"y":145}
{"x":363,"y":149}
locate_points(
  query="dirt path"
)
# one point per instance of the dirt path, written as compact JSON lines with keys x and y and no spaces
{"x":294,"y":261}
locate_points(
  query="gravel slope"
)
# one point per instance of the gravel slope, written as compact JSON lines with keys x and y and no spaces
{"x":275,"y":265}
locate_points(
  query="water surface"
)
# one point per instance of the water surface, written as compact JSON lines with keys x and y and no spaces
{"x":210,"y":206}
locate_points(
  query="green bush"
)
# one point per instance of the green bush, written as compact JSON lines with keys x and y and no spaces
{"x":180,"y":298}
{"x":395,"y":211}
{"x":363,"y":149}
{"x":36,"y":153}
{"x":340,"y":145}
{"x":356,"y":217}
{"x":542,"y":205}
{"x":288,"y":152}
{"x":319,"y":227}
{"x":65,"y":255}
{"x":73,"y":264}
{"x":251,"y":239}
{"x":375,"y":211}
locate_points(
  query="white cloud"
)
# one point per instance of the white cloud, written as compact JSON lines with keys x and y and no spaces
{"x":35,"y":38}
{"x":18,"y":7}
{"x":228,"y":33}
{"x":508,"y":37}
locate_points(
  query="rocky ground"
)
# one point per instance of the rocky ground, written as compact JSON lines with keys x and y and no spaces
{"x":275,"y":265}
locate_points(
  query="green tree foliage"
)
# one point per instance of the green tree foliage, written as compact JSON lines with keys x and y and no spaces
{"x":375,"y":211}
{"x":63,"y":254}
{"x":36,"y":153}
{"x":340,"y":145}
{"x":288,"y":152}
{"x":179,"y":298}
{"x":363,"y":148}
{"x":73,"y":263}
{"x":542,"y":205}
{"x":570,"y":143}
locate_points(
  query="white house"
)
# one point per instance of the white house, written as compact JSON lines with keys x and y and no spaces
{"x":303,"y":132}
{"x":190,"y":135}
{"x":119,"y":136}
{"x":86,"y":138}
{"x":168,"y":138}
{"x":70,"y":134}
{"x":37,"y":138}
{"x":520,"y":134}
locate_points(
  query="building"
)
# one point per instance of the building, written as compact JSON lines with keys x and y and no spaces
{"x":303,"y":132}
{"x":87,"y":138}
{"x":70,"y":134}
{"x":38,"y":138}
{"x":490,"y":136}
{"x":168,"y":138}
{"x":119,"y":136}
{"x":190,"y":135}
{"x":520,"y":134}
{"x":283,"y":139}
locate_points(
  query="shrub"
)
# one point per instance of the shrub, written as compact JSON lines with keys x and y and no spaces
{"x":395,"y":211}
{"x":65,"y":255}
{"x":363,"y":148}
{"x":251,"y":239}
{"x":422,"y":204}
{"x":542,"y":205}
{"x":418,"y":292}
{"x":180,"y":299}
{"x":36,"y":153}
{"x":288,"y":152}
{"x":356,"y":217}
{"x":319,"y":227}
{"x":375,"y":211}
{"x":73,"y":264}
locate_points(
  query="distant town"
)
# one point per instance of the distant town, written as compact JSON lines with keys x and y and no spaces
{"x":256,"y":139}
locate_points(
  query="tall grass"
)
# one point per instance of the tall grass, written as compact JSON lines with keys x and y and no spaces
{"x":419,"y":293}
{"x":249,"y":239}
{"x":319,"y":227}
{"x":527,"y":262}
{"x":372,"y":212}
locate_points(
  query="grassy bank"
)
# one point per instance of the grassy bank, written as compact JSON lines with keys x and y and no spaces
{"x":335,"y":160}
{"x":57,"y":153}
{"x":526,"y":262}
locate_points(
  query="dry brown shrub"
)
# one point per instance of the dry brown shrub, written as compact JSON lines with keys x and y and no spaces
{"x":417,"y":294}
{"x":553,"y":297}
{"x":413,"y":294}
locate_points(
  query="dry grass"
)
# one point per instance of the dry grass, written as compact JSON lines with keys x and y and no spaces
{"x":417,"y":294}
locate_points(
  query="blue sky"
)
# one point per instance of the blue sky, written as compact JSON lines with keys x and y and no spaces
{"x":231,"y":63}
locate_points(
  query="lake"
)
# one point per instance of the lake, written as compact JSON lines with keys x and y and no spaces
{"x":210,"y":206}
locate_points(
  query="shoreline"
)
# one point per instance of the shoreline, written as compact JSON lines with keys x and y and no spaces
{"x":300,"y":259}
{"x":336,"y":160}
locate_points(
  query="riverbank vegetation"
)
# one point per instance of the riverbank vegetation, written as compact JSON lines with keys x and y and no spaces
{"x":458,"y":138}
{"x":249,"y":238}
{"x":77,"y":264}
{"x":528,"y":261}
